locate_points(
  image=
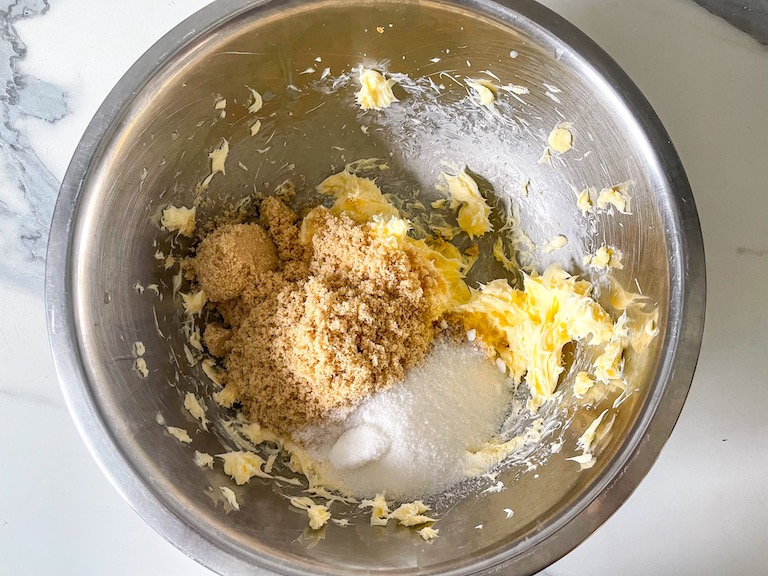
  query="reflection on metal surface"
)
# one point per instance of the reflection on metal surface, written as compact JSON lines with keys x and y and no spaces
{"x":148,"y":147}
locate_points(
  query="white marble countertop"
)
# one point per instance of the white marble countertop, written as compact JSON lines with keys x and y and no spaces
{"x":700,"y":511}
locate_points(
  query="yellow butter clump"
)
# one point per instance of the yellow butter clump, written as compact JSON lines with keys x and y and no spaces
{"x":528,"y":328}
{"x":375,"y":90}
{"x":485,"y":90}
{"x":560,"y":139}
{"x":359,"y":198}
{"x":474,"y":212}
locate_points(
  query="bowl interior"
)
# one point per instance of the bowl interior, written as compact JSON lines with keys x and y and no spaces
{"x":157,"y":154}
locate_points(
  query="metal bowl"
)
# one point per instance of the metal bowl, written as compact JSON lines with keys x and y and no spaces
{"x":147,"y":147}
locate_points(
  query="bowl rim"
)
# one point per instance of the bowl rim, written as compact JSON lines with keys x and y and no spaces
{"x":633,"y":459}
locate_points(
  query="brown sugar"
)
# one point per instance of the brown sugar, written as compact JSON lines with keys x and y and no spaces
{"x":342,"y":314}
{"x":216,"y":338}
{"x":230,"y":257}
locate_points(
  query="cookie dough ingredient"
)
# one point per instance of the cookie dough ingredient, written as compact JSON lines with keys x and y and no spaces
{"x":231,"y":257}
{"x":616,"y":196}
{"x":485,"y":90}
{"x":379,"y":509}
{"x":605,"y":257}
{"x":587,"y":459}
{"x":194,"y":302}
{"x":181,"y":220}
{"x":257,"y":103}
{"x":358,"y":446}
{"x":141,"y":367}
{"x":180,"y":434}
{"x":196,"y":409}
{"x":584,"y":202}
{"x":218,"y":159}
{"x":428,"y":439}
{"x":140,"y":364}
{"x":412,"y":514}
{"x":582,"y":384}
{"x":203,"y":459}
{"x":560,"y":139}
{"x":242,"y":466}
{"x":317,"y":513}
{"x":139,"y":349}
{"x":356,"y":197}
{"x":529,"y":328}
{"x":375,"y":90}
{"x":555,"y":244}
{"x":229,"y":497}
{"x":474,"y":212}
{"x":347,"y":310}
{"x":428,"y":533}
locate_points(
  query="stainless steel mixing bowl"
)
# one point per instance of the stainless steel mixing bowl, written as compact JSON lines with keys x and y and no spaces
{"x":147,"y":147}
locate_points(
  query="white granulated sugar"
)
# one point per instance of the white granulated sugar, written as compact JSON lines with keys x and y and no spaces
{"x":412,"y":440}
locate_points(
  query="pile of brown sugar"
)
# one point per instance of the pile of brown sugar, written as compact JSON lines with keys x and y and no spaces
{"x":315,"y":314}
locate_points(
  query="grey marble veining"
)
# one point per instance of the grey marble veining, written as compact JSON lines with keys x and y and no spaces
{"x":29,"y":190}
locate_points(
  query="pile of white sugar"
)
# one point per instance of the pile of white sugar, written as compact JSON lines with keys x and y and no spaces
{"x":413,"y":439}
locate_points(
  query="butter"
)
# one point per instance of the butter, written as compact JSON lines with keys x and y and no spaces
{"x":474,"y":212}
{"x":529,"y":328}
{"x":194,"y":303}
{"x":180,"y":434}
{"x":499,"y":255}
{"x":560,"y":139}
{"x":485,"y":91}
{"x":585,"y":461}
{"x":242,"y":466}
{"x":605,"y":257}
{"x":390,"y":227}
{"x":615,"y":196}
{"x":203,"y":459}
{"x":622,"y":299}
{"x":645,"y":328}
{"x":255,"y":127}
{"x":555,"y":244}
{"x":359,"y":198}
{"x":340,"y":522}
{"x":609,"y":366}
{"x":194,"y":338}
{"x":588,"y":437}
{"x":584,"y":202}
{"x":229,"y":497}
{"x":218,"y":159}
{"x":257,"y":103}
{"x":225,"y":397}
{"x":196,"y":409}
{"x":317,"y":513}
{"x":141,"y":367}
{"x":139,"y":349}
{"x":181,"y":220}
{"x":428,"y":533}
{"x":412,"y":514}
{"x":379,"y":510}
{"x":375,"y":90}
{"x":209,"y":369}
{"x":546,"y":157}
{"x":582,"y":384}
